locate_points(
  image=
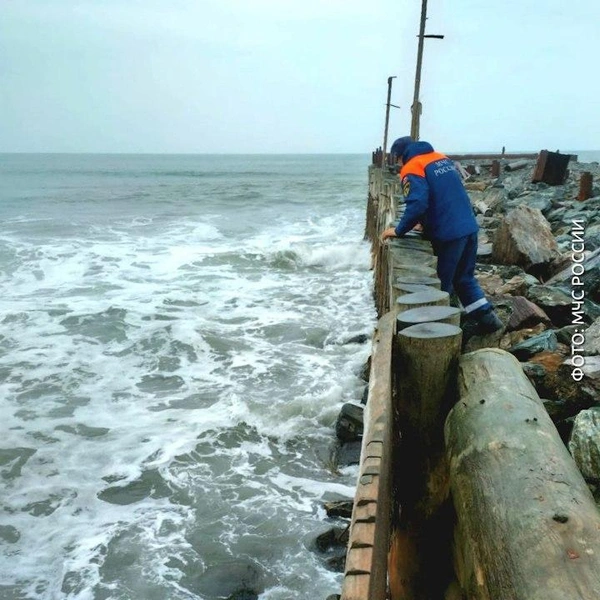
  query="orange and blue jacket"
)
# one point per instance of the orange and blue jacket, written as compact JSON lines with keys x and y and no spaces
{"x":434,"y":195}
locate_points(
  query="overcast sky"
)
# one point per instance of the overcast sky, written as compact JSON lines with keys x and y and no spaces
{"x":213,"y":76}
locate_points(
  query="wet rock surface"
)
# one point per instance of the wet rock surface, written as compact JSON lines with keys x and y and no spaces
{"x":542,"y":238}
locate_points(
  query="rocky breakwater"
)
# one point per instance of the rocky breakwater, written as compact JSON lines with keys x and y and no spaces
{"x":539,"y":262}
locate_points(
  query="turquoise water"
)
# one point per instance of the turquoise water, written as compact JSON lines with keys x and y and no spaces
{"x":172,"y":360}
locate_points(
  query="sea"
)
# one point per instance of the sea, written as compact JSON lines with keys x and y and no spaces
{"x":178,"y":334}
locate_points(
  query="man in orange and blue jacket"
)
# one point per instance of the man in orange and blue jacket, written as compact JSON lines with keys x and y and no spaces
{"x":436,"y":198}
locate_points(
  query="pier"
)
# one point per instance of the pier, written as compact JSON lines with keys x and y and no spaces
{"x":465,"y":488}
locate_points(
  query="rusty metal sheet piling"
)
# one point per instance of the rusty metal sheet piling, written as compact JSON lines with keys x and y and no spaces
{"x":551,"y":168}
{"x":585,"y":186}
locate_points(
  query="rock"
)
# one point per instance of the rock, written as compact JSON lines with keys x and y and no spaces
{"x":365,"y":395}
{"x":556,"y":214}
{"x":535,"y":373}
{"x":512,"y":338}
{"x":551,"y":361}
{"x":361,"y":338}
{"x":243,"y":595}
{"x":540,"y":343}
{"x":349,"y":424}
{"x":349,"y":454}
{"x":524,"y":313}
{"x":333,"y":537}
{"x":592,"y":339}
{"x":524,"y":238}
{"x":234,"y":580}
{"x":339,"y":508}
{"x":555,"y":409}
{"x":564,"y":334}
{"x":515,"y":286}
{"x":365,"y":372}
{"x":495,"y":198}
{"x":488,"y":222}
{"x":562,"y":261}
{"x":591,"y":368}
{"x":557,"y":304}
{"x":541,"y":203}
{"x":584,"y":443}
{"x":332,"y":546}
{"x":579,"y":395}
{"x":489,"y":282}
{"x":477,"y":342}
{"x":590,"y":276}
{"x":476,"y":186}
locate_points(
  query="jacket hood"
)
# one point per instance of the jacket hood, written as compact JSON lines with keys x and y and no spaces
{"x":415,"y":149}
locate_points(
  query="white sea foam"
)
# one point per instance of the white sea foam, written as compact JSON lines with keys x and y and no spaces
{"x":165,"y":382}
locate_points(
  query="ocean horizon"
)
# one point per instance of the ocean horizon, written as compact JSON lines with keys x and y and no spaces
{"x":583,"y":155}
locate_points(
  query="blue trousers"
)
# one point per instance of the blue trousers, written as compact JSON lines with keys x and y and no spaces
{"x":456,"y":270}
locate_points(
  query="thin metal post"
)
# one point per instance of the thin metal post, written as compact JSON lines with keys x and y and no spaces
{"x":387,"y":117}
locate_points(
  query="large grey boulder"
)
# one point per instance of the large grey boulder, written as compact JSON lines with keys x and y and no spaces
{"x":584,"y":443}
{"x":592,"y":338}
{"x":524,"y":238}
{"x":545,"y":342}
{"x":590,"y":276}
{"x":557,"y":303}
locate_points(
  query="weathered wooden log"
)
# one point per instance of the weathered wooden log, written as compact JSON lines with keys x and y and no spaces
{"x":412,"y":244}
{"x":476,"y":186}
{"x":412,"y":255}
{"x":425,"y":385}
{"x":482,"y":206}
{"x":517,"y":164}
{"x":430,"y":298}
{"x":410,"y":288}
{"x":366,"y":557}
{"x":421,"y":278}
{"x":527,"y":526}
{"x":428,"y":314}
{"x":425,"y":392}
{"x":417,"y":280}
{"x":400,"y":270}
{"x":426,"y":283}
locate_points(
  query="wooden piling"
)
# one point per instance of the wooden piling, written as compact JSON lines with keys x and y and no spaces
{"x":428,"y":314}
{"x":432,"y":297}
{"x":424,"y":393}
{"x":527,"y":525}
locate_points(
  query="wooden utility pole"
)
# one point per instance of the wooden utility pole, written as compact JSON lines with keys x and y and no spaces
{"x":416,"y":105}
{"x":387,"y":118}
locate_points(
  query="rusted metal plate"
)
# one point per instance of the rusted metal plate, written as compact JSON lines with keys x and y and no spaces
{"x":551,"y":168}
